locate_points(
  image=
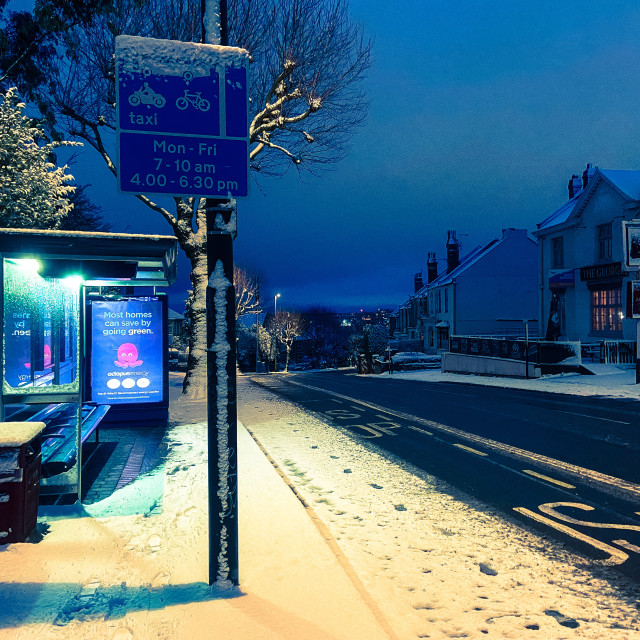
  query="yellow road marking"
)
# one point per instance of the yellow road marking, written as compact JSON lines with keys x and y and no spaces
{"x":566,"y":485}
{"x":470,"y":450}
{"x":616,"y":556}
{"x":410,"y":426}
{"x":627,"y":545}
{"x":550,"y":509}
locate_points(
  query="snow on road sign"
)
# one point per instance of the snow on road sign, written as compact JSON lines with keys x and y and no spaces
{"x":182,"y":118}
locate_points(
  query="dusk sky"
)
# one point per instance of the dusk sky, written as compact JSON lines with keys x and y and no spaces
{"x":479,"y":114}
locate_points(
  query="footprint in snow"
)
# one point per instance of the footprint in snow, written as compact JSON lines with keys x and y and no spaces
{"x":162,"y":579}
{"x":563,"y":620}
{"x":154,"y":542}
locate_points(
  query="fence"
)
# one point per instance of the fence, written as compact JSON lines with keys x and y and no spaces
{"x":544,"y":352}
{"x":534,"y":351}
{"x":611,"y":351}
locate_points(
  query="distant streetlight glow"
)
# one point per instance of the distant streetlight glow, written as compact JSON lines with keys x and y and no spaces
{"x":275,"y":303}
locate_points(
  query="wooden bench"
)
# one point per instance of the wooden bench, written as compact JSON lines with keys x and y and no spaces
{"x":59,"y":435}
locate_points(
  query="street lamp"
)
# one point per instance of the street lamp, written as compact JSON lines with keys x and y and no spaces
{"x":275,"y":303}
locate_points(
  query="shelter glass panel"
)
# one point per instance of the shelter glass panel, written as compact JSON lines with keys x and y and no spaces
{"x":41,"y":338}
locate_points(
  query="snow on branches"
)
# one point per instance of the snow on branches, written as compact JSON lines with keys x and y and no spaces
{"x":34,"y":193}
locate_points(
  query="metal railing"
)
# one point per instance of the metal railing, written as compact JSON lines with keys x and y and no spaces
{"x":618,"y":352}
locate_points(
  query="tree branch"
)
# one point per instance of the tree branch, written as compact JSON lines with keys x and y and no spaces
{"x":267,"y":143}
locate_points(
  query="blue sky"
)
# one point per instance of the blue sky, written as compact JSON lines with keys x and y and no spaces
{"x":480,"y":112}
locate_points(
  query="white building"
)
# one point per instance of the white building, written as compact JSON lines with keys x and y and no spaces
{"x":488,"y":292}
{"x":582,"y":278}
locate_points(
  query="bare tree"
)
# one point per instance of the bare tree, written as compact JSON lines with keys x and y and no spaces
{"x":286,"y":326}
{"x":306,"y":98}
{"x":247,"y":288}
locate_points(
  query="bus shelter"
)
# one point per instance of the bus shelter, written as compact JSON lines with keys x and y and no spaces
{"x":84,"y":336}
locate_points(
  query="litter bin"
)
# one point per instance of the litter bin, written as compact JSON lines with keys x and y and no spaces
{"x":19,"y":479}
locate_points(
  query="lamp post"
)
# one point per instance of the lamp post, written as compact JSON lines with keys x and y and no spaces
{"x":257,"y":339}
{"x":275,"y":311}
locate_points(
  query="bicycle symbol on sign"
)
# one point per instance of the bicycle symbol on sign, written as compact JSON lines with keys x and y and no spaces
{"x":146,"y":95}
{"x":194,"y":99}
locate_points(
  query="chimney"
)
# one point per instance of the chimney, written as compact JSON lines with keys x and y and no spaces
{"x":575,"y":185}
{"x":453,"y":251}
{"x":432,"y":267}
{"x":417,"y":282}
{"x":587,"y":174}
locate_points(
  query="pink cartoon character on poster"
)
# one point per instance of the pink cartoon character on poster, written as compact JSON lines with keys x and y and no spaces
{"x":127,"y":356}
{"x":47,"y":358}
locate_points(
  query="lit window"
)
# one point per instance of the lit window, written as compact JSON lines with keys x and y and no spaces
{"x":606,"y":310}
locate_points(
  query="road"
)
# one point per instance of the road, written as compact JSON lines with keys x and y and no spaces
{"x":565,"y":465}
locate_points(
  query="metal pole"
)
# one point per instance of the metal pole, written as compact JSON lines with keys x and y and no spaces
{"x":526,"y":349}
{"x":257,"y":340}
{"x":221,"y":364}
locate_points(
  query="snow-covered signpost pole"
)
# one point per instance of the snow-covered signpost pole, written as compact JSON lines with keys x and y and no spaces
{"x":221,"y":360}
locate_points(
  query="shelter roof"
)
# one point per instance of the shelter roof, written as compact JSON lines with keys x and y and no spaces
{"x":101,"y":258}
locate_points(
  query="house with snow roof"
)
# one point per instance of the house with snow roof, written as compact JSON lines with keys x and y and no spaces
{"x":582,"y":289}
{"x":488,"y":292}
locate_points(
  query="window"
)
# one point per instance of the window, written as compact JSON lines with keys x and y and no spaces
{"x":439,"y":300}
{"x":557,"y":252}
{"x":562,"y":312}
{"x":604,"y":241}
{"x":446,"y":300}
{"x":606,"y":310}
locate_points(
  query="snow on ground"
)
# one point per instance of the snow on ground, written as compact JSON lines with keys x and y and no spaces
{"x":611,"y":381}
{"x":438,"y":563}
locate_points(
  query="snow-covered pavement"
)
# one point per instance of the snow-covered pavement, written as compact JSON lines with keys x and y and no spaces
{"x":115,"y":571}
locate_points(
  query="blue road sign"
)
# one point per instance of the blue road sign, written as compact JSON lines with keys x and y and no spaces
{"x":182,"y":118}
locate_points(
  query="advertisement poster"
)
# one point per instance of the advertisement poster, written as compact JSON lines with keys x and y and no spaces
{"x":126,"y":351}
{"x":18,"y":341}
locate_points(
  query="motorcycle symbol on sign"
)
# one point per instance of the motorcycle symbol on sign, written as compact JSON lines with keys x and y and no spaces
{"x":194,"y":99}
{"x":146,"y":95}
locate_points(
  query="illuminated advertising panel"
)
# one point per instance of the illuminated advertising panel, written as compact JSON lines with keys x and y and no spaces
{"x":127,"y":351}
{"x":40,"y":332}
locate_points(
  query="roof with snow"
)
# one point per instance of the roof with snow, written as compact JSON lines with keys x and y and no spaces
{"x":101,"y":258}
{"x":625,"y":182}
{"x":469,"y":260}
{"x":562,"y":214}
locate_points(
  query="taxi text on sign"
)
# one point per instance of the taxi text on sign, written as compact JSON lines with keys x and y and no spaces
{"x":182,"y":118}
